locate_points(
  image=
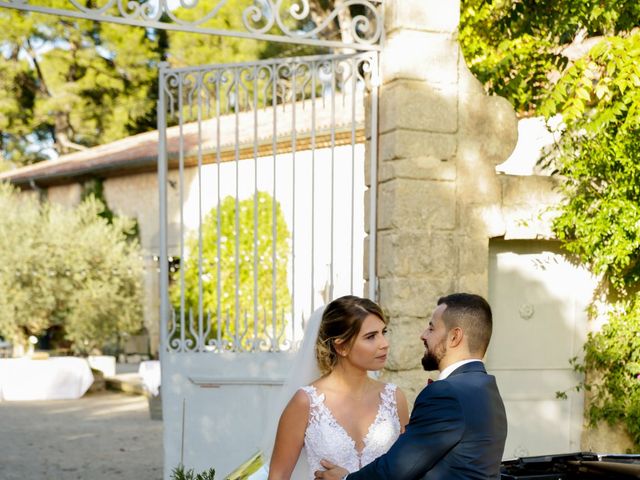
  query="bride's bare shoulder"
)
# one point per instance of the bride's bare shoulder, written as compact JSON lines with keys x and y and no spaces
{"x":300,"y":401}
{"x":295,"y":416}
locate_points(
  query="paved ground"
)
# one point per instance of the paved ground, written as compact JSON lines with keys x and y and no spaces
{"x":102,"y":436}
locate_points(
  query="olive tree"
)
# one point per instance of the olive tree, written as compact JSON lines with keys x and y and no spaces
{"x":67,"y":267}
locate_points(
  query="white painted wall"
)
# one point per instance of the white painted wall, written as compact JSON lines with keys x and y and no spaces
{"x":539,"y":301}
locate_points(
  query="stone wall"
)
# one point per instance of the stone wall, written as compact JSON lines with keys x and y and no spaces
{"x":440,"y":140}
{"x":440,"y":199}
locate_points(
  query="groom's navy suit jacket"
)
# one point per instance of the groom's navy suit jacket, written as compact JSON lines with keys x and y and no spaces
{"x":457,"y":431}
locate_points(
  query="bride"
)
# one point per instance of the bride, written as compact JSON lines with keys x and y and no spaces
{"x":344,"y":416}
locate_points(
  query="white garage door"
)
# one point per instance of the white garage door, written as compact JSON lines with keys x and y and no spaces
{"x":538,"y":300}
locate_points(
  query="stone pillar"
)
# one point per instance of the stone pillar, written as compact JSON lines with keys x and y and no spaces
{"x":440,"y":138}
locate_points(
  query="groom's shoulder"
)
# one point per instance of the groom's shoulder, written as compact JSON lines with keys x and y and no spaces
{"x":437,"y":390}
{"x":436,"y":399}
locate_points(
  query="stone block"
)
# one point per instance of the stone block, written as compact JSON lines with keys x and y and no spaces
{"x":413,"y":297}
{"x":417,"y":204}
{"x":368,"y":114}
{"x":484,"y":220}
{"x":474,"y":255}
{"x":526,"y":202}
{"x":413,"y":55}
{"x":528,"y":222}
{"x":367,"y":162}
{"x":424,"y":168}
{"x":415,"y":154}
{"x":416,"y":105}
{"x":477,"y":283}
{"x":365,"y":258}
{"x":406,"y":253}
{"x":422,"y":146}
{"x":424,"y":15}
{"x":367,"y":210}
{"x":477,"y":179}
{"x":529,"y":190}
{"x":406,"y":348}
{"x":489,"y":128}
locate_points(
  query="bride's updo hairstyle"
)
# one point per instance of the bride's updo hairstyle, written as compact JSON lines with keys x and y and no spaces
{"x":341,"y":322}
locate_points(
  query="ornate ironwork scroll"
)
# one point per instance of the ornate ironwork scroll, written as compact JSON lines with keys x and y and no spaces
{"x":357,"y":23}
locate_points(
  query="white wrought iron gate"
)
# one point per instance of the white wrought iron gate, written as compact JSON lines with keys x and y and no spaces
{"x":263,"y":189}
{"x":262,"y":175}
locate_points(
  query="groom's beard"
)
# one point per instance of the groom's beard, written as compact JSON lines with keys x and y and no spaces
{"x":432,"y":357}
{"x":429,"y":361}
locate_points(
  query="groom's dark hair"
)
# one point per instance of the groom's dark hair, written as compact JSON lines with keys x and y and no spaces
{"x":472,"y":313}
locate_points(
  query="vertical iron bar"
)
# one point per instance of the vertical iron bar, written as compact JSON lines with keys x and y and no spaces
{"x":274,"y":273}
{"x":255,"y":203}
{"x":373,"y":215}
{"x":181,"y":197}
{"x":293,"y":200}
{"x":333,"y":156}
{"x":218,"y":213}
{"x":354,"y":67}
{"x":200,"y":341}
{"x":162,"y":211}
{"x":313,"y":184}
{"x":236,"y":78}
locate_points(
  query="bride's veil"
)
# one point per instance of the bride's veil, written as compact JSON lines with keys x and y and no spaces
{"x":304,"y":371}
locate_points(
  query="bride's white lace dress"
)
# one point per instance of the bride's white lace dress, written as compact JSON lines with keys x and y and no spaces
{"x":326,"y":439}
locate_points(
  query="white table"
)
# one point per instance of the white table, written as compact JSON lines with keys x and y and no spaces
{"x":149,"y":372}
{"x":59,"y":378}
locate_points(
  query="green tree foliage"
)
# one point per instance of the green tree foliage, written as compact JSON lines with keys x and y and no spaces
{"x":67,"y":267}
{"x":246,"y":264}
{"x":66,"y":84}
{"x":598,"y":158}
{"x":516,"y":48}
{"x":187,"y":49}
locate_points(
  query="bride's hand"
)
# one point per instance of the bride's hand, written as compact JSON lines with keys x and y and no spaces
{"x":332,"y":472}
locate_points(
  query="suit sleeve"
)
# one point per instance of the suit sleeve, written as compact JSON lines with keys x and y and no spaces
{"x":435,"y":427}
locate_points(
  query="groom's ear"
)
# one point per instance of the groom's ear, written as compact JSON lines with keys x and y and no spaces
{"x":456,"y":334}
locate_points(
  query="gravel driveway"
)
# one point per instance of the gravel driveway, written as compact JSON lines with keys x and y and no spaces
{"x":102,"y":436}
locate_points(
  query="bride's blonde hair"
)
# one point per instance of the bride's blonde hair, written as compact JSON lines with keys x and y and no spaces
{"x":341,"y":321}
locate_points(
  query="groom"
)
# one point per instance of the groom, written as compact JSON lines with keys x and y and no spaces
{"x":458,"y":425}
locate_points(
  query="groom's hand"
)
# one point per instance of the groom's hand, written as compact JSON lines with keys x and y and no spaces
{"x":332,"y":472}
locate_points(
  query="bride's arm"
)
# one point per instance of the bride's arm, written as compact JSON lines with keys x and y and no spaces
{"x":290,"y":437}
{"x":403,"y":409}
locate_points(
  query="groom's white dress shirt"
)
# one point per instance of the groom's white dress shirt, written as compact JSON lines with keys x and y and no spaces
{"x":447,"y":371}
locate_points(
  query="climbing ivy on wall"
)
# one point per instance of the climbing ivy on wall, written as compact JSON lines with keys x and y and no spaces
{"x":598,"y":158}
{"x":518,"y":49}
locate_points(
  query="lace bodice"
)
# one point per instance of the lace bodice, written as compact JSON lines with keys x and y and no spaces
{"x":326,"y":439}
